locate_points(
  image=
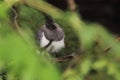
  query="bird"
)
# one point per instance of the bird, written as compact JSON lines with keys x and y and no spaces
{"x":51,"y":36}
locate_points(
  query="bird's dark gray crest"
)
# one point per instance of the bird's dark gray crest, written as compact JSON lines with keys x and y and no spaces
{"x":52,"y":30}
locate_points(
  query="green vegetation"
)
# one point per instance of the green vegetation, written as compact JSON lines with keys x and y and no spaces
{"x":96,"y":51}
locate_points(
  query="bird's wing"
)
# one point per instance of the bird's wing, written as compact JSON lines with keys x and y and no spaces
{"x":39,"y":35}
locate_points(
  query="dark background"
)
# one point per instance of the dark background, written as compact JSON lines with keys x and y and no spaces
{"x":105,"y":12}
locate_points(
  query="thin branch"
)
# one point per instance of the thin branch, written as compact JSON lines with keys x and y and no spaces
{"x":71,"y":5}
{"x":109,"y":48}
{"x":22,"y":34}
{"x":64,"y":58}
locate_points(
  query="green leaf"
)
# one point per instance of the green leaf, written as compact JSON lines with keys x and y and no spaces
{"x":85,"y":66}
{"x":100,"y":64}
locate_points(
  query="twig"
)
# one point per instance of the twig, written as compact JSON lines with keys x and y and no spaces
{"x":64,"y":58}
{"x":118,"y":38}
{"x":109,"y":48}
{"x":22,"y":34}
{"x":71,"y":5}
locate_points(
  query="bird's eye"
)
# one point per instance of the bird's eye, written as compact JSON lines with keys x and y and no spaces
{"x":51,"y":26}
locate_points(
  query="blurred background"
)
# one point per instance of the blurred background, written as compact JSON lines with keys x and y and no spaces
{"x":92,"y":40}
{"x":105,"y":12}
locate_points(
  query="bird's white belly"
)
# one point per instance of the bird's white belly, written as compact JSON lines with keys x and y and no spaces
{"x":43,"y":41}
{"x":55,"y":46}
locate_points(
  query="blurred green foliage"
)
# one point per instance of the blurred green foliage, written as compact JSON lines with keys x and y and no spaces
{"x":22,"y":60}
